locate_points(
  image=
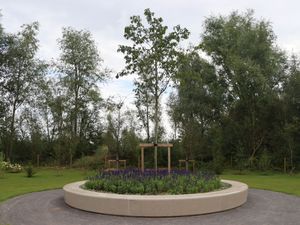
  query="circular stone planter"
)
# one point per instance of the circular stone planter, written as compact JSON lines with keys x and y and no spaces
{"x":156,"y":205}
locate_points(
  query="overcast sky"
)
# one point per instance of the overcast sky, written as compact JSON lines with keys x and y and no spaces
{"x":106,"y":21}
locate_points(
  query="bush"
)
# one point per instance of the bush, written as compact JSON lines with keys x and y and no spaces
{"x":93,"y":162}
{"x":30,"y":171}
{"x":11,"y":168}
{"x":218,"y":162}
{"x":136,"y":182}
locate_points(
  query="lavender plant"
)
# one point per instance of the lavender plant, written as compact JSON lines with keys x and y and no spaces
{"x":134,"y":181}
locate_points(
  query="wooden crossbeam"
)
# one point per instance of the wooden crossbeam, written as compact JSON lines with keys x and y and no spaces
{"x":149,"y":145}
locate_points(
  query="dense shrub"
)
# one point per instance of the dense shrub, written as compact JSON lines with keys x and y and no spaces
{"x":218,"y":162}
{"x":30,"y":171}
{"x":88,"y":162}
{"x":264,"y":162}
{"x":149,"y":182}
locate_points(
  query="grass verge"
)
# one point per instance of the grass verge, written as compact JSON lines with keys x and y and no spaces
{"x":13,"y":184}
{"x":279,"y":182}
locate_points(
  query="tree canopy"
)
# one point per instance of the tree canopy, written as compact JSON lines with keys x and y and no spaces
{"x":234,"y":98}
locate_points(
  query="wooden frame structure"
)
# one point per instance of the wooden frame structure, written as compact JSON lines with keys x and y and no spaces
{"x":180,"y":161}
{"x":115,"y":161}
{"x":148,"y":145}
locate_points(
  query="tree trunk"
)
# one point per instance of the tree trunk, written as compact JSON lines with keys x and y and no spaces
{"x":12,"y":132}
{"x":76,"y":100}
{"x":38,"y":160}
{"x":74,"y":131}
{"x":117,"y":161}
{"x":186,"y":163}
{"x":156,"y":117}
{"x":147,"y":123}
{"x":71,"y":158}
{"x":118,"y":135}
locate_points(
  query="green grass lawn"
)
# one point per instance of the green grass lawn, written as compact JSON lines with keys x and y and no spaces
{"x":16,"y":184}
{"x":285,"y":183}
{"x":13,"y":184}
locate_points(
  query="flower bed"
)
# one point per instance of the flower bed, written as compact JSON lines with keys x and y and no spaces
{"x":11,"y":167}
{"x":150,"y":182}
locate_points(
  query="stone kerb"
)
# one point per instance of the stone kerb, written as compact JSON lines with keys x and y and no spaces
{"x":156,"y":205}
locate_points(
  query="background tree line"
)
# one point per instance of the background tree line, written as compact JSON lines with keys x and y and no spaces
{"x":234,"y":97}
{"x":236,"y":100}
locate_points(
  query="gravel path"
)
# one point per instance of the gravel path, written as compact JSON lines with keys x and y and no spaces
{"x":48,"y":208}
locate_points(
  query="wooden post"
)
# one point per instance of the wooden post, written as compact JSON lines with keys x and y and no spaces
{"x":142,"y":159}
{"x":169,"y":160}
{"x":150,"y":145}
{"x":155,"y":157}
{"x":284,"y":164}
{"x":187,"y":164}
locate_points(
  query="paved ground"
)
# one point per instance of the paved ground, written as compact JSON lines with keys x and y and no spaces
{"x":48,"y":208}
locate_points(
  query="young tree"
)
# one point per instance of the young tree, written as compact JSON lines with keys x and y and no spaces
{"x":20,"y":74}
{"x":80,"y":69}
{"x":153,"y":56}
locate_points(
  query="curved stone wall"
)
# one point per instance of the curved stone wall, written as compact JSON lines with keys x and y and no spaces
{"x":156,"y":205}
